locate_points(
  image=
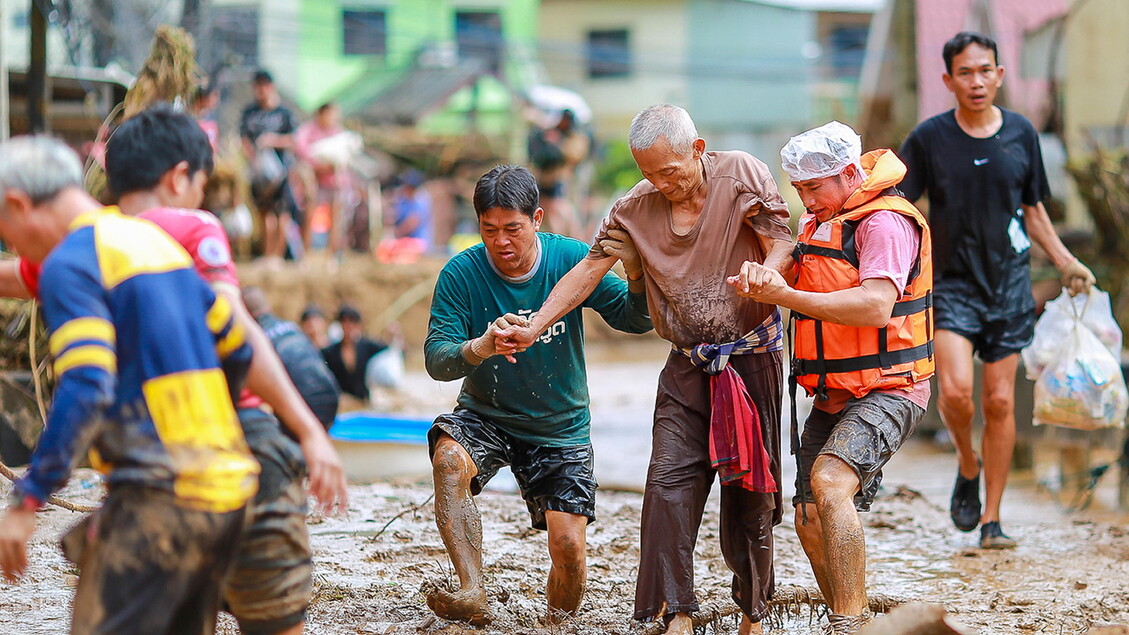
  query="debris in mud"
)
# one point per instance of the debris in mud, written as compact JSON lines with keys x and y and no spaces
{"x":372,"y":583}
{"x":916,"y":619}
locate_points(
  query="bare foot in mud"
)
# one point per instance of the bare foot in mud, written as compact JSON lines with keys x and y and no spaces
{"x":748,"y":628}
{"x":557,"y":616}
{"x":467,"y":605}
{"x":680,"y":624}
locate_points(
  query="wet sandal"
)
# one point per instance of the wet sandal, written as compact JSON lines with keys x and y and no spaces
{"x":992,"y":537}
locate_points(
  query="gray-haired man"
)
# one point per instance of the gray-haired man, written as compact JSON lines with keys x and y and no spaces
{"x":695,"y":219}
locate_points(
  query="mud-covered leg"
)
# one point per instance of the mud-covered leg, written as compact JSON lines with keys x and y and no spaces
{"x":568,"y":575}
{"x":460,"y":525}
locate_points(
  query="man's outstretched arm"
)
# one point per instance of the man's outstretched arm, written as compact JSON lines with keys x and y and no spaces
{"x":868,"y":305}
{"x":569,"y":293}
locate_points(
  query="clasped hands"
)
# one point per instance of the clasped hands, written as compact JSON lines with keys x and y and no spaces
{"x":507,"y":336}
{"x":761,"y":283}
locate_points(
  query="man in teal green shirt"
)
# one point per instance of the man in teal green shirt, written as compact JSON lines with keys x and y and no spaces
{"x":532,"y":416}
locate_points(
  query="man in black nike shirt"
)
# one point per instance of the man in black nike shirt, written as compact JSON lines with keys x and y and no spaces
{"x":983,"y":171}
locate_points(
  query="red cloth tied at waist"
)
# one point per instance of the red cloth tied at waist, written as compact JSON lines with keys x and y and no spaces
{"x":737,"y":449}
{"x":736,"y":440}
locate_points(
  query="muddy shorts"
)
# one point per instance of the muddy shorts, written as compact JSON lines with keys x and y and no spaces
{"x":271,"y":584}
{"x":550,"y":478}
{"x":864,"y":434}
{"x":956,"y":309}
{"x":149,"y":566}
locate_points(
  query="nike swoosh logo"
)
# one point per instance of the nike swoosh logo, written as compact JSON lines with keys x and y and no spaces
{"x":979,"y":161}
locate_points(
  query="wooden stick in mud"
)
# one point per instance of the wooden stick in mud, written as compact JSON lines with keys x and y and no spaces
{"x":786,"y":597}
{"x":54,"y":500}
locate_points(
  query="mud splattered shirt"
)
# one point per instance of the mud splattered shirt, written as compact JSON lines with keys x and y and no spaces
{"x":137,"y":339}
{"x":543,"y":398}
{"x":689,"y":300}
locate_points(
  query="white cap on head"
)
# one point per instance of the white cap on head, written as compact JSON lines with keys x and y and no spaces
{"x":821,"y":152}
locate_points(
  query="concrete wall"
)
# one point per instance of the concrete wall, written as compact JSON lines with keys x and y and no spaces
{"x":301,"y":41}
{"x":748,"y":72}
{"x":1096,"y":77}
{"x":657,"y":38}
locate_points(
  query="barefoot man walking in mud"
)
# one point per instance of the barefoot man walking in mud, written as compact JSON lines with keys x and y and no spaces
{"x":695,"y":219}
{"x":861,"y":301}
{"x":532,"y":416}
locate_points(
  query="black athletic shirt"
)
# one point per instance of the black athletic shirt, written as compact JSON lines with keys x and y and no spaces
{"x":975,"y":188}
{"x":306,"y":367}
{"x":257,"y":120}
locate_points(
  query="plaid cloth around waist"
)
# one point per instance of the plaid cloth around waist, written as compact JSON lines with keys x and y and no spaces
{"x":767,"y":337}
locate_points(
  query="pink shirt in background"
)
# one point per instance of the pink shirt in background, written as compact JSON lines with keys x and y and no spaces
{"x":306,"y":136}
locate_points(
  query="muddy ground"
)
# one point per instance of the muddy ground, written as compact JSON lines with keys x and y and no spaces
{"x":1068,"y":573}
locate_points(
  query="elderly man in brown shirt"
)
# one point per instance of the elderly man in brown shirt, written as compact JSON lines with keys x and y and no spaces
{"x":694,"y":219}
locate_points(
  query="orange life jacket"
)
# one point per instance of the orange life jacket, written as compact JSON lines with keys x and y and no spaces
{"x":862,"y":359}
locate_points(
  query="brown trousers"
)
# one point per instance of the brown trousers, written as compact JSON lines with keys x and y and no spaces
{"x":679,"y":481}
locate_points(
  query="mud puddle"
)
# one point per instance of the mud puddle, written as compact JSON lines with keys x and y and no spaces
{"x":1067,"y":574}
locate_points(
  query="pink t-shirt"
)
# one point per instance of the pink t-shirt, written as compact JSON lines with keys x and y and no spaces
{"x":887,"y":244}
{"x":305,"y":137}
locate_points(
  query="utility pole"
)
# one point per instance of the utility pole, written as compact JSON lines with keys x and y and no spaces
{"x":37,"y":71}
{"x":5,"y":114}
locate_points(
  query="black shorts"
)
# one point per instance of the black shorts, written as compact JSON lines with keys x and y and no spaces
{"x":551,"y":478}
{"x":993,"y":338}
{"x":275,"y":201}
{"x":864,"y":434}
{"x":149,"y":565}
{"x":272,"y":581}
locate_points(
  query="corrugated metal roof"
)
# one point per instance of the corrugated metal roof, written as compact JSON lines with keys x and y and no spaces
{"x":417,"y":92}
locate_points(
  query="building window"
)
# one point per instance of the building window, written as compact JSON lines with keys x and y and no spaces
{"x":846,"y":47}
{"x":235,"y":30}
{"x":609,"y":53}
{"x":479,"y":36}
{"x":364,"y":32}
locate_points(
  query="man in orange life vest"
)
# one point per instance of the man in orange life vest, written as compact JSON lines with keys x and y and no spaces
{"x":862,"y":305}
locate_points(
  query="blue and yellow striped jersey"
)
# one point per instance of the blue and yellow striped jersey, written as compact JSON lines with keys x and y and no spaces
{"x":145,"y":358}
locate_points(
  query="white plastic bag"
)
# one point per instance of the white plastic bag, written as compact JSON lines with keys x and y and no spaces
{"x":338,"y":149}
{"x":267,"y":170}
{"x":1057,"y":320}
{"x":385,"y":369}
{"x":1082,"y":386}
{"x":238,"y":222}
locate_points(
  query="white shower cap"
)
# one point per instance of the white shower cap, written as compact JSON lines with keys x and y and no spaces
{"x":821,"y":152}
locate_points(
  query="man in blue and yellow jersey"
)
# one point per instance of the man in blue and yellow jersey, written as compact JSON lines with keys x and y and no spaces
{"x":147,"y":360}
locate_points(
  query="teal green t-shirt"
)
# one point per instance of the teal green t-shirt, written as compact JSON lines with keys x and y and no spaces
{"x":543,"y":398}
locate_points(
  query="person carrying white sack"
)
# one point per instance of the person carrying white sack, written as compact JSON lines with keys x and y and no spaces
{"x":982,"y":169}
